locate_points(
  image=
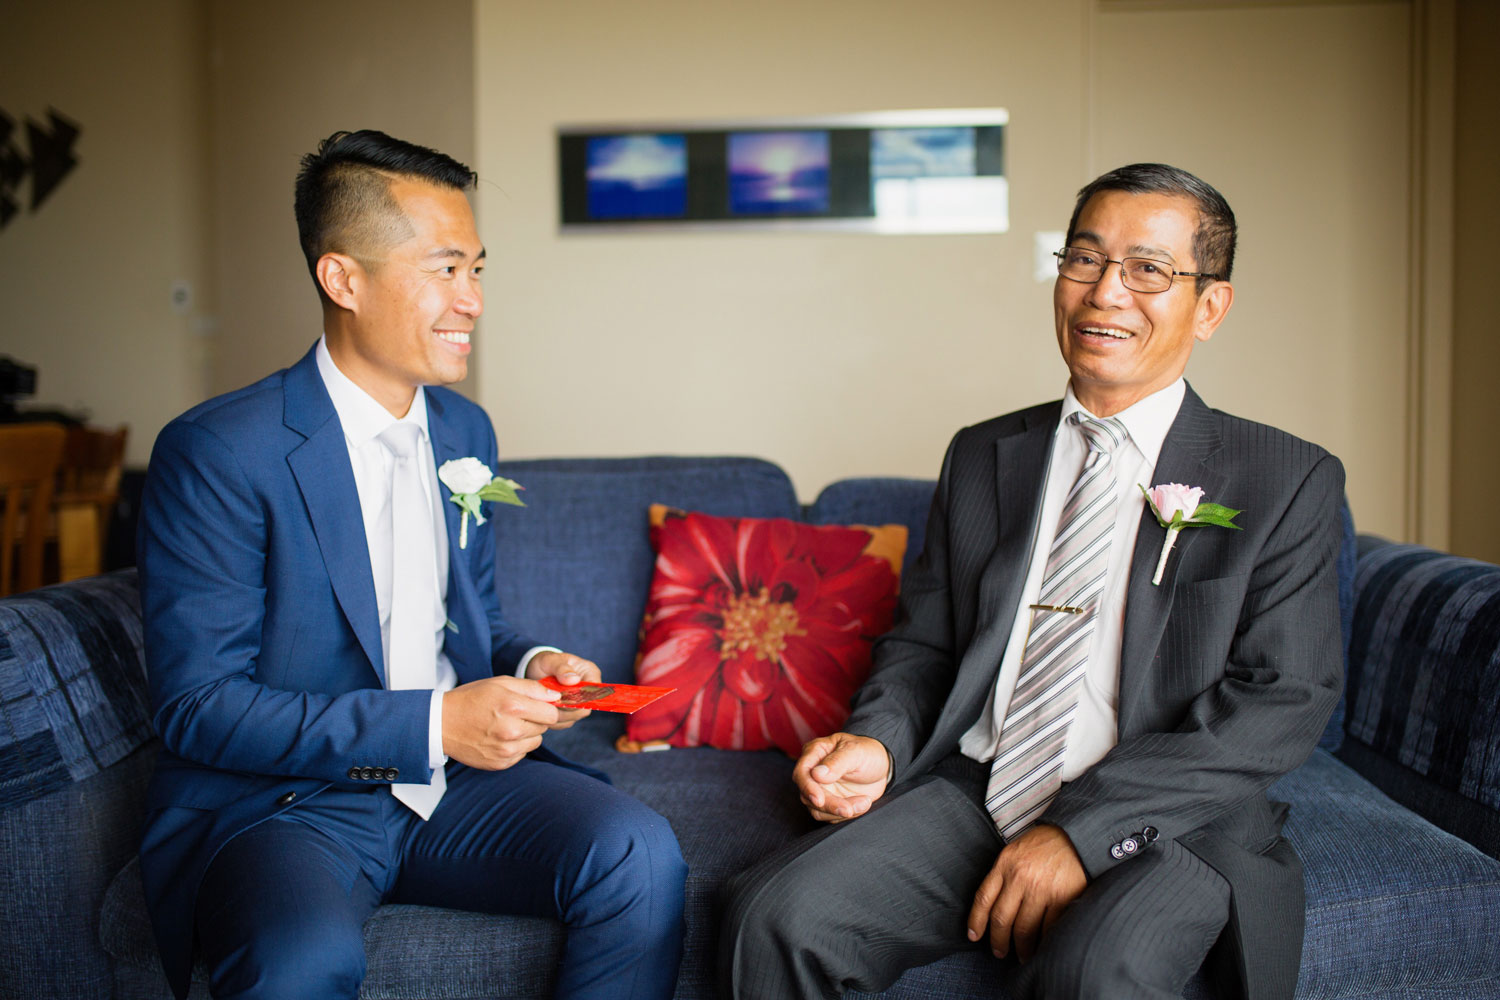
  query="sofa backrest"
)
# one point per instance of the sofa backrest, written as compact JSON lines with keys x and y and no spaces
{"x":584,"y":542}
{"x":1423,"y":718}
{"x":75,"y":754}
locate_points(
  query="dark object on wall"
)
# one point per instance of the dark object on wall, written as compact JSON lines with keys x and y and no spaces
{"x":936,"y":171}
{"x":51,"y":159}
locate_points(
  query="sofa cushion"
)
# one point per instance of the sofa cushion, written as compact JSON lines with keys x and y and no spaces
{"x":1424,"y":705}
{"x":72,"y":684}
{"x":1395,"y":906}
{"x":572,"y":566}
{"x":763,"y":626}
{"x":73,"y":771}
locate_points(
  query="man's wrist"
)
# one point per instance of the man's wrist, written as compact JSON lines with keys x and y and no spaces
{"x":530,"y":655}
{"x":435,"y":756}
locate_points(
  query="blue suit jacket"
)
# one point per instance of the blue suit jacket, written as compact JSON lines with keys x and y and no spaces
{"x":262,"y":635}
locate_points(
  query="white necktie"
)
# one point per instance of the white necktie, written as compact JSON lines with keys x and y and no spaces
{"x":416,"y":610}
{"x":1027,"y":770}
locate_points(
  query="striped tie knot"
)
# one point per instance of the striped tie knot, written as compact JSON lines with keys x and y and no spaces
{"x":1102,"y":435}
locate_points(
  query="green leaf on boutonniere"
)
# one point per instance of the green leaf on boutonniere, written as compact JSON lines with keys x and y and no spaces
{"x":1215,"y":514}
{"x":468,"y":502}
{"x":501,"y":490}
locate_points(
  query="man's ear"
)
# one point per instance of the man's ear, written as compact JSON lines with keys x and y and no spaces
{"x":1213,"y":306}
{"x":340,"y":276}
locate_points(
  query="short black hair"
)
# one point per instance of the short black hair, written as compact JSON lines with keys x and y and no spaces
{"x":343,"y":195}
{"x":1213,"y":240}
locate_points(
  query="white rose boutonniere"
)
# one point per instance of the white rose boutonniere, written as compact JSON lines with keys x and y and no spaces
{"x":471,"y":482}
{"x":1176,"y":507}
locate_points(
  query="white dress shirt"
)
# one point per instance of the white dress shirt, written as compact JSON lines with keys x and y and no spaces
{"x":363,"y":419}
{"x":1095,"y":725}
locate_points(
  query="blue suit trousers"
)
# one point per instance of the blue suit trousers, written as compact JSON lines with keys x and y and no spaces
{"x":282,"y":906}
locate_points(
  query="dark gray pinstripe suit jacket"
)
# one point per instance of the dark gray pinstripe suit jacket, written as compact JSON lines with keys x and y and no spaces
{"x":1228,"y":670}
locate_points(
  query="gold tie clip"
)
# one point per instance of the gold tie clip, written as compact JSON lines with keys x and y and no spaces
{"x":1064,"y":608}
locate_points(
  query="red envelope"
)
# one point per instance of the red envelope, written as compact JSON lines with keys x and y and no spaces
{"x":625,"y":698}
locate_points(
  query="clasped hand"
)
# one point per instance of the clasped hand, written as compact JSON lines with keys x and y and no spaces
{"x":492,"y":723}
{"x":841,"y":776}
{"x":1030,"y":884}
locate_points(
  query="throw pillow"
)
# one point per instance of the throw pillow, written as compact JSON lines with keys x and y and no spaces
{"x":764,"y":626}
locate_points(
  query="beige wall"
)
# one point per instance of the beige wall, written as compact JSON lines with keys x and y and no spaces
{"x":841,"y":355}
{"x":286,"y":74}
{"x":85,"y":283}
{"x":1476,"y":349}
{"x":833,"y":354}
{"x":1299,"y":115}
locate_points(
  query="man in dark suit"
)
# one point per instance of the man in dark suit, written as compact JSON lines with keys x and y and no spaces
{"x":1063,"y":747}
{"x":346,"y":718}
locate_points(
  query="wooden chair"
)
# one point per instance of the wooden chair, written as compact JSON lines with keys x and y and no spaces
{"x":88,"y":485}
{"x":30,"y":455}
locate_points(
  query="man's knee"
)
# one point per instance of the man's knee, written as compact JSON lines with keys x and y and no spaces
{"x":290,"y":959}
{"x":634,"y":872}
{"x":768,"y":946}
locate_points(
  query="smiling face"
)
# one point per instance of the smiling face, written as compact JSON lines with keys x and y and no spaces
{"x":1120,"y":346}
{"x":404,"y":320}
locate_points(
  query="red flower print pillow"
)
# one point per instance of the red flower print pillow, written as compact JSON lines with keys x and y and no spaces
{"x":764,"y":627}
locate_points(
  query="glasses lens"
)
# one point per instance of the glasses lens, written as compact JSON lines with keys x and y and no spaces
{"x":1142,"y":274}
{"x":1080,"y":265}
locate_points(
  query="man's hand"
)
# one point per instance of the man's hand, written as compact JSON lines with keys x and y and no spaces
{"x":492,"y":723}
{"x":568,"y":669}
{"x":841,"y":776}
{"x":1032,"y":882}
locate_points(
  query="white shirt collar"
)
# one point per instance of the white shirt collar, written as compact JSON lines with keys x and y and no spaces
{"x":361,"y":416}
{"x":1147,"y":420}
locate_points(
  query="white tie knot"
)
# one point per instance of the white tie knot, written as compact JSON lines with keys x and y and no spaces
{"x":401,"y":439}
{"x":1102,"y":435}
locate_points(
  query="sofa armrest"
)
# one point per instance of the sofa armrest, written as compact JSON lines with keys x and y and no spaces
{"x":1423,"y":717}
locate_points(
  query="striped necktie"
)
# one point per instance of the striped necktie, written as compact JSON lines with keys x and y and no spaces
{"x":1027,"y":770}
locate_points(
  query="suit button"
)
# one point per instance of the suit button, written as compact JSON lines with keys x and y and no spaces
{"x":353,"y":774}
{"x":392,"y":774}
{"x":379,"y":773}
{"x":1117,"y":852}
{"x":1149,"y":834}
{"x":367,"y":773}
{"x":1130,"y":845}
{"x":286,"y":799}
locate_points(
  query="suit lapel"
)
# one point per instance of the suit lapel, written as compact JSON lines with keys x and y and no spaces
{"x":1020,"y":472}
{"x":1191,"y":442}
{"x":320,"y":465}
{"x":468,"y":648}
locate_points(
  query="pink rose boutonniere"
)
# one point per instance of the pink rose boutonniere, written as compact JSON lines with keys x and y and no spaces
{"x":1176,"y":507}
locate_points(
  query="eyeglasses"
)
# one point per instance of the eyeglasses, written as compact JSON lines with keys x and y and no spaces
{"x":1139,"y":274}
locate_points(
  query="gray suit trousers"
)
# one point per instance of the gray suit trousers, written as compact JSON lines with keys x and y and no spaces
{"x":854,"y":905}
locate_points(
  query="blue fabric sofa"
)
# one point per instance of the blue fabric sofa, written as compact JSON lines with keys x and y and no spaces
{"x":1399,"y":827}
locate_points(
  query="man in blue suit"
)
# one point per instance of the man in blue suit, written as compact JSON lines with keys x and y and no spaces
{"x":346,"y":718}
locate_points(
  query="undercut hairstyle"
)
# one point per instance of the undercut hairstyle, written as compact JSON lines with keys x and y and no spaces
{"x":344,"y":202}
{"x":1216,"y":233}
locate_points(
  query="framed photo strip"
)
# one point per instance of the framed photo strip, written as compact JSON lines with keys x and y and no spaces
{"x":939,"y":171}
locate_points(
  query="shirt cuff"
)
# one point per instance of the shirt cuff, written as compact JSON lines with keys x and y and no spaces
{"x":435,"y":756}
{"x":526,"y":660}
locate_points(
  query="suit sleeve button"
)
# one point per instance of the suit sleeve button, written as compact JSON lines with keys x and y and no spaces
{"x":1130,"y":845}
{"x":367,"y":773}
{"x":392,"y":774}
{"x":286,"y":799}
{"x":380,"y":774}
{"x":1149,"y":834}
{"x":353,"y":774}
{"x":1117,"y":852}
